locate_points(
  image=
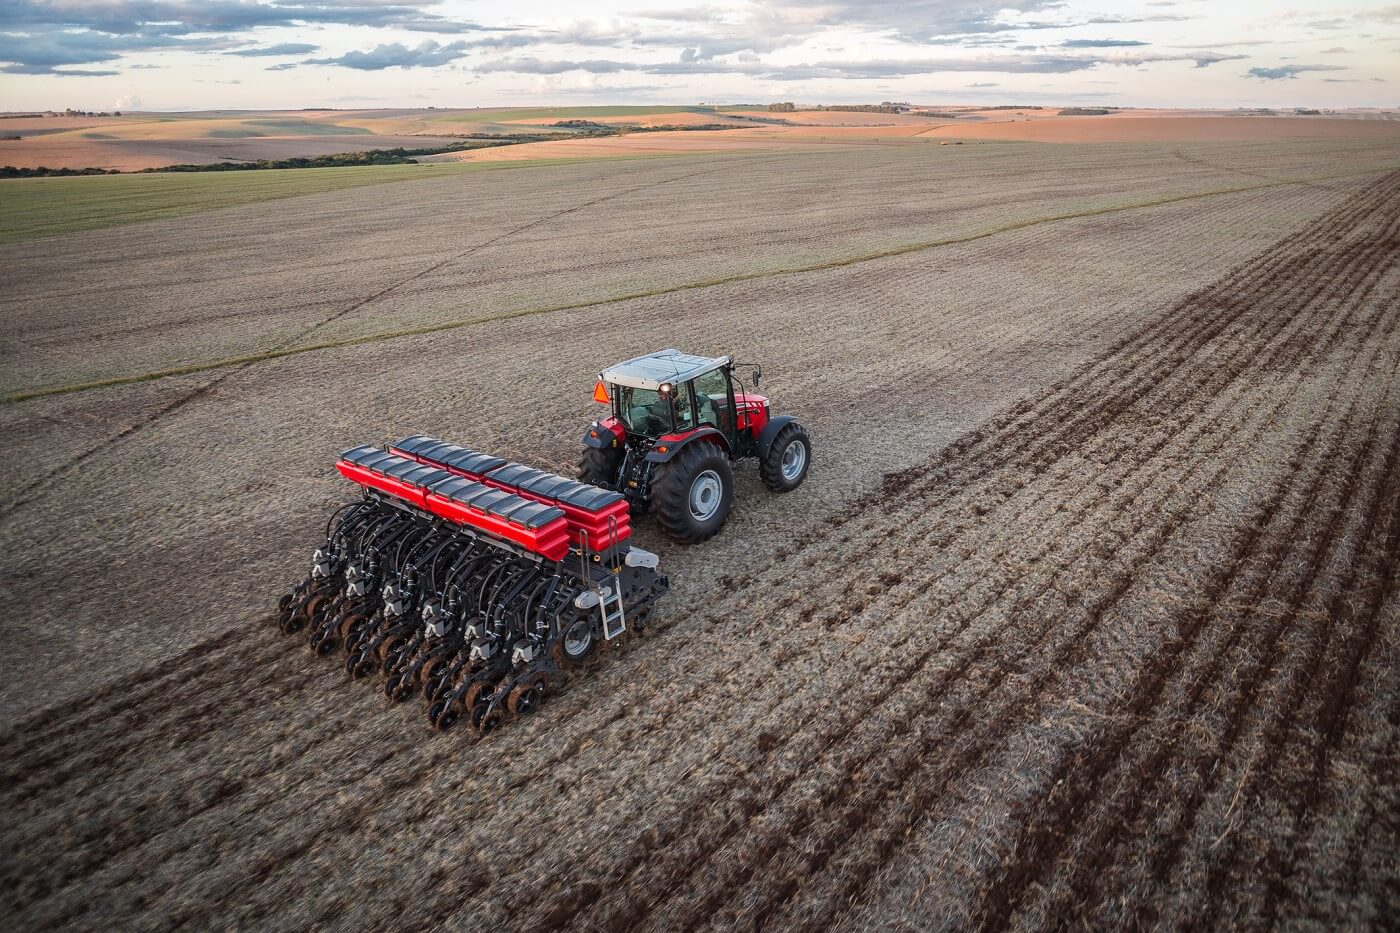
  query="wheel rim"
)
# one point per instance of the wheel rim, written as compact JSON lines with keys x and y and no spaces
{"x":794,"y":460}
{"x":578,"y":639}
{"x":706,"y":493}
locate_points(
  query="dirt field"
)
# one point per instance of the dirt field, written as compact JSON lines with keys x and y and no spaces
{"x":1087,"y":614}
{"x":136,"y":141}
{"x":1123,"y":128}
{"x":828,"y":129}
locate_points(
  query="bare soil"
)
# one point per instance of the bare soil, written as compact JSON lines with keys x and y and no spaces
{"x":1086,"y":616}
{"x":832,"y":128}
{"x":1136,"y":127}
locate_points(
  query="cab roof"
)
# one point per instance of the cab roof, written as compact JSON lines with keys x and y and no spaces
{"x":650,"y":371}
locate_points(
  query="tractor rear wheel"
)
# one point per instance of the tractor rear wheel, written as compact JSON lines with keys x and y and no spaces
{"x":599,"y":466}
{"x":789,"y":457}
{"x":692,"y":494}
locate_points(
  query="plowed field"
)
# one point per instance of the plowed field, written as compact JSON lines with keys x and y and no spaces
{"x":1086,"y":616}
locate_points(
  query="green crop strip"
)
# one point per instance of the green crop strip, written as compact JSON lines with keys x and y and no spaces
{"x":29,"y":394}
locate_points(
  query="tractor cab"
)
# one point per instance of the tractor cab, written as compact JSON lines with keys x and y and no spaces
{"x":670,"y":394}
{"x":677,"y":425}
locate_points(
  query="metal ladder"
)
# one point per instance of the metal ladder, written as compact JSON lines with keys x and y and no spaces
{"x":610,"y":608}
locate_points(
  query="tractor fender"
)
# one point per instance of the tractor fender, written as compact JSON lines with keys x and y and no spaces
{"x":770,"y":431}
{"x":674,"y":444}
{"x":604,"y":434}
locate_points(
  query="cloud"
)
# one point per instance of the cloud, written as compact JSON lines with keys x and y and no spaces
{"x":769,"y":25}
{"x":48,"y":52}
{"x":127,"y":102}
{"x":1100,"y":43}
{"x":284,"y":48}
{"x":1118,"y":19}
{"x":284,"y":66}
{"x":1335,"y":50}
{"x":1289,"y":71}
{"x":876,"y":69}
{"x":1388,"y":14}
{"x":535,"y":66}
{"x":984,"y":84}
{"x":43,"y":36}
{"x":427,"y":54}
{"x":179,"y":17}
{"x":20,"y":69}
{"x":694,"y":14}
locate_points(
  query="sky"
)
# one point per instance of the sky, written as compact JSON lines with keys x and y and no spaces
{"x":290,"y":54}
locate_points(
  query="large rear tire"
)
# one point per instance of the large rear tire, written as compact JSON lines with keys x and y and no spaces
{"x":599,"y":466}
{"x":789,"y":458}
{"x":693,"y":493}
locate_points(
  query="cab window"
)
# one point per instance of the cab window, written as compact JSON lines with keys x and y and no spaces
{"x":712,"y":398}
{"x":685,"y":411}
{"x":644,"y":411}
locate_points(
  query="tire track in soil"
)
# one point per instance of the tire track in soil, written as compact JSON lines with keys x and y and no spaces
{"x":1378,"y":815}
{"x":1333,"y":713}
{"x":1041,"y":845}
{"x":1059,"y":663}
{"x":1168,"y":854}
{"x":1332,"y":710}
{"x":558,"y":918}
{"x":26,"y":493}
{"x":104,"y":843}
{"x":1343,"y":599}
{"x":1377,"y":321}
{"x":1207,"y":764}
{"x":31,"y":769}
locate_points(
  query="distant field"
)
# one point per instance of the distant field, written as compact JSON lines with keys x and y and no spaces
{"x":214,"y":128}
{"x":559,"y":113}
{"x":38,"y":207}
{"x":137,"y":141}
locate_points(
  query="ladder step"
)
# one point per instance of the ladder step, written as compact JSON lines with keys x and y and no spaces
{"x":611,"y":611}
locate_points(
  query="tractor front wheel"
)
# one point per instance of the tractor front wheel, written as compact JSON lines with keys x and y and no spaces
{"x":692,"y":494}
{"x":598,"y":467}
{"x":785,"y":465}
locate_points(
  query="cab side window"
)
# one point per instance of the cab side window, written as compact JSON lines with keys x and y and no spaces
{"x":685,"y":414}
{"x":712,"y":398}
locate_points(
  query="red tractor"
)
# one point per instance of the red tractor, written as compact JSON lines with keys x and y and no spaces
{"x":678,"y":425}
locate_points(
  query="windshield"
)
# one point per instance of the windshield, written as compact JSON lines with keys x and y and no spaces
{"x":643,"y":411}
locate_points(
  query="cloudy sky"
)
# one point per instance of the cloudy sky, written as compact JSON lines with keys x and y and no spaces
{"x":176,"y":55}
